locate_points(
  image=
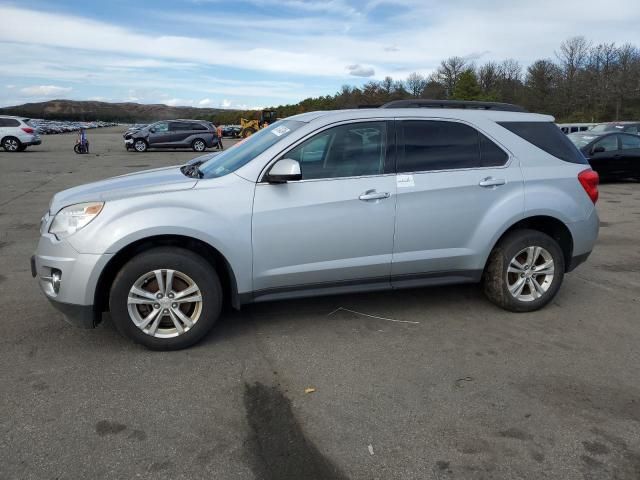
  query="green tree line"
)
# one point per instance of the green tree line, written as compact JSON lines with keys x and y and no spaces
{"x":582,"y":82}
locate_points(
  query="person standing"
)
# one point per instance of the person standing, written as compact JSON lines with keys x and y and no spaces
{"x":219,"y":134}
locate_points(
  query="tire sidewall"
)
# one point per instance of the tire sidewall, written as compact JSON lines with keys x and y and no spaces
{"x":508,"y":249}
{"x":179,"y":259}
{"x":195,"y":142}
{"x":5,"y":144}
{"x":140,"y":142}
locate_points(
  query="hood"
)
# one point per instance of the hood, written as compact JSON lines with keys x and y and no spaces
{"x":169,"y":179}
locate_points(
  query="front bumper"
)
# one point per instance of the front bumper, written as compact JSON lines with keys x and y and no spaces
{"x":77,"y":274}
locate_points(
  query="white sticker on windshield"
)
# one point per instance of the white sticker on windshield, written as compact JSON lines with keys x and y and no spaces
{"x":404,"y":181}
{"x":281,"y":130}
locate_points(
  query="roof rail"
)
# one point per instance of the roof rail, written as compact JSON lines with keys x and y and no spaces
{"x":473,"y":105}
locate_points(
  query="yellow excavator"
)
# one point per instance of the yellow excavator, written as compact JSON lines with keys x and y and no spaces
{"x":249,"y":127}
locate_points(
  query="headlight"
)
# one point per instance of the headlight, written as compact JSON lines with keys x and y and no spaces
{"x":72,"y":218}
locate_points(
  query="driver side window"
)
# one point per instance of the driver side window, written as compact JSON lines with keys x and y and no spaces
{"x":609,"y":143}
{"x":161,"y":127}
{"x":351,"y":150}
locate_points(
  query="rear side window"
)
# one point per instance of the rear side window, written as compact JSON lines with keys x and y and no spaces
{"x":629,"y":141}
{"x":180,"y":127}
{"x":433,"y":145}
{"x":548,"y":137}
{"x":9,"y":122}
{"x":198,"y":126}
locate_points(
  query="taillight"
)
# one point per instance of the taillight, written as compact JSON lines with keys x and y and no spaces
{"x":589,"y":181}
{"x":27,"y":129}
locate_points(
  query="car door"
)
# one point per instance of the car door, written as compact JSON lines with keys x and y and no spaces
{"x":159,"y":135}
{"x":334,"y":227}
{"x":605,"y":156}
{"x":630,"y":150}
{"x":451,"y":177}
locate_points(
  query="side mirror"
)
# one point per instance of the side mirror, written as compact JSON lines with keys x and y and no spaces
{"x":284,"y":170}
{"x":152,"y":130}
{"x":597,"y":149}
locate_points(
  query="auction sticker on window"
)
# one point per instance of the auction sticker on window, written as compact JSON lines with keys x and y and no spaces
{"x":281,"y":130}
{"x":405,"y":181}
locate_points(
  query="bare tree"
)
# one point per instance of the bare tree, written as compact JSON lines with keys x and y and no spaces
{"x":415,"y":83}
{"x":449,"y":72}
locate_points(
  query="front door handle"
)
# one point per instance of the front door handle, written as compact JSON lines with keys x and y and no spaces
{"x":373,"y":195}
{"x":492,"y":182}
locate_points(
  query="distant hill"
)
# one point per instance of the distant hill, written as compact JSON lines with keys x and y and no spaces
{"x":110,"y":112}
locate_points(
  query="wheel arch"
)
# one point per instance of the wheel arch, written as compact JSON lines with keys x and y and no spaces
{"x":549,"y":225}
{"x":205,"y":250}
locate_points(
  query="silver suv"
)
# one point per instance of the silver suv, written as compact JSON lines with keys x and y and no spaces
{"x":325,"y":203}
{"x":195,"y":134}
{"x":17,"y":133}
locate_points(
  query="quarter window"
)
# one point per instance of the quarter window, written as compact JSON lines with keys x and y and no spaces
{"x":436,"y":145}
{"x":352,"y":150}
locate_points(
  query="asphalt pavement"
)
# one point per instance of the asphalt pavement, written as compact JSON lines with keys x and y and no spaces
{"x":417,"y":384}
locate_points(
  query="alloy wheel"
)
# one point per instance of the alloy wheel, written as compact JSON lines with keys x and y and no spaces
{"x":164,"y":303}
{"x":530,"y":273}
{"x":11,"y":144}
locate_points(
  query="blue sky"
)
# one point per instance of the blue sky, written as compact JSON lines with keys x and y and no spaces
{"x":254,"y":53}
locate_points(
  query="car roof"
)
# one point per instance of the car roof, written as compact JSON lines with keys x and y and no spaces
{"x":328,"y":116}
{"x":15,"y":117}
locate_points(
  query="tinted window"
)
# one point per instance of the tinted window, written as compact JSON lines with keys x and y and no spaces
{"x":490,"y":154}
{"x":9,"y":122}
{"x":198,"y":126}
{"x":631,"y":129}
{"x":180,"y":127}
{"x":351,"y":150}
{"x":609,"y":143}
{"x":629,"y":141}
{"x":434,"y":145}
{"x":548,"y":137}
{"x":242,"y":153}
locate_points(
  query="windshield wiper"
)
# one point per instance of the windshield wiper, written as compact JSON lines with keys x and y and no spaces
{"x":192,"y":170}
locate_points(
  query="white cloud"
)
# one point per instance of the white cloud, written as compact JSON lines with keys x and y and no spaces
{"x":225,"y":103}
{"x":204,"y":102}
{"x":358,"y":70}
{"x":44,"y":91}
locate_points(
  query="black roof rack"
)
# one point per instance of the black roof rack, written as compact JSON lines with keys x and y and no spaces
{"x":473,"y":105}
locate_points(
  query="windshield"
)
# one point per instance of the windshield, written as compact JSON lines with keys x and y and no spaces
{"x":580,"y":139}
{"x":245,"y":151}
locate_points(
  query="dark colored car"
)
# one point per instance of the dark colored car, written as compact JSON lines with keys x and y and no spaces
{"x":232,"y":131}
{"x":624,"y":127}
{"x":195,"y":134}
{"x":612,"y":155}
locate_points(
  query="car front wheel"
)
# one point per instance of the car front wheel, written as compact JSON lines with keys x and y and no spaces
{"x":524,"y":271}
{"x":140,"y":146}
{"x":166,"y":298}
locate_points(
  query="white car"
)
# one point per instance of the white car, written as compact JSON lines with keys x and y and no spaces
{"x":16,"y":134}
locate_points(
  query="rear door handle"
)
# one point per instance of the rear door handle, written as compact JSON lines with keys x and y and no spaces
{"x":373,"y":195}
{"x":492,"y":182}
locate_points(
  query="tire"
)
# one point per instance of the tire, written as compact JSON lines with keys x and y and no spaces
{"x":161,"y":332}
{"x":198,"y":145}
{"x":11,"y":144}
{"x":140,"y":145}
{"x":502,"y":275}
{"x":247,"y":132}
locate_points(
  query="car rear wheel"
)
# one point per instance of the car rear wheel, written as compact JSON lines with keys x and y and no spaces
{"x":198,"y":145}
{"x":11,"y":144}
{"x":140,"y":145}
{"x":524,"y":271}
{"x":166,"y":298}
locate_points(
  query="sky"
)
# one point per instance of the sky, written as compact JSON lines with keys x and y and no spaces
{"x":257,"y":53}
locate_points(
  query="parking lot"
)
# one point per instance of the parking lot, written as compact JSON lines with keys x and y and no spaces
{"x":416,"y":384}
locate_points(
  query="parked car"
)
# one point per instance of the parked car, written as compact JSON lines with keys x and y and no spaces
{"x":612,"y":155}
{"x":195,"y":134}
{"x":626,"y":127}
{"x":134,"y":128}
{"x":16,"y":134}
{"x":568,"y":128}
{"x":325,"y":203}
{"x":232,"y":131}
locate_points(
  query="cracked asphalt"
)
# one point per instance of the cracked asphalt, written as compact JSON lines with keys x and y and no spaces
{"x":458,"y":389}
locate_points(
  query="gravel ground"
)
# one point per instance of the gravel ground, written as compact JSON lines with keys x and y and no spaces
{"x":467,"y":391}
